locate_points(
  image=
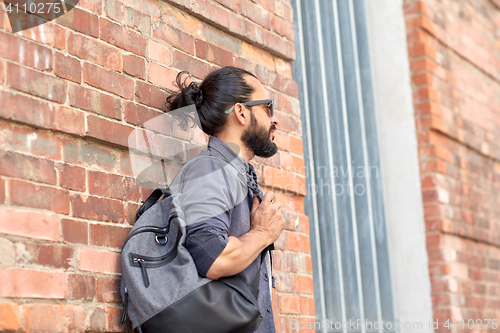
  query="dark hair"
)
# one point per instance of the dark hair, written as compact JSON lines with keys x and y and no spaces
{"x":220,"y":90}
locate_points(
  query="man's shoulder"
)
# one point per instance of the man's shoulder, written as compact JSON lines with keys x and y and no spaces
{"x":208,"y":168}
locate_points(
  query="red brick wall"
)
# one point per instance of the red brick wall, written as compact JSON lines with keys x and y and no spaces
{"x":454,"y":49}
{"x":71,"y":91}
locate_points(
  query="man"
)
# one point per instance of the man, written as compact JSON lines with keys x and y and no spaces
{"x":228,"y":227}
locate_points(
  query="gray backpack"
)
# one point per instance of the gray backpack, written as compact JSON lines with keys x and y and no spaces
{"x":160,"y":286}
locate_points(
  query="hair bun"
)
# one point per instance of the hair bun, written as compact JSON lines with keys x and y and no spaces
{"x":198,"y":97}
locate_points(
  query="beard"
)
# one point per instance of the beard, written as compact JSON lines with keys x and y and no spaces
{"x":258,"y":139}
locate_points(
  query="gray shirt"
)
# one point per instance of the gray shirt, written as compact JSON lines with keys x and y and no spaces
{"x":216,"y":203}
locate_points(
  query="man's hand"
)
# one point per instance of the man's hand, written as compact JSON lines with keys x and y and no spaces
{"x":266,"y":217}
{"x":266,"y":224}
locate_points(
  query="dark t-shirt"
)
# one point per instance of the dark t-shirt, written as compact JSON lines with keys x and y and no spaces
{"x":216,"y":202}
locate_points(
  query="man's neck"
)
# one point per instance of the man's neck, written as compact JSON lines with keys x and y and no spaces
{"x":237,"y":146}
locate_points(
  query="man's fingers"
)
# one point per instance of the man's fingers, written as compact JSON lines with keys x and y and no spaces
{"x":255,"y":203}
{"x":269,"y":197}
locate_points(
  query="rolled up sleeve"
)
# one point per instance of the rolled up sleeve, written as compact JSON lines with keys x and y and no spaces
{"x":206,"y":206}
{"x":206,"y":240}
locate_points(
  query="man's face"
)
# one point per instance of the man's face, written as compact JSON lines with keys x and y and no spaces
{"x":258,"y":138}
{"x":259,"y":135}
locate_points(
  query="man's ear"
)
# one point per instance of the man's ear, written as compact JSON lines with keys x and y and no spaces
{"x":241,"y":113}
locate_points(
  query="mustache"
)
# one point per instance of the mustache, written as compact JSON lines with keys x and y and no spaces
{"x":273,"y":128}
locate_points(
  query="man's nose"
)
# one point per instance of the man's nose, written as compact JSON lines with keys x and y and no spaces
{"x":274,"y":119}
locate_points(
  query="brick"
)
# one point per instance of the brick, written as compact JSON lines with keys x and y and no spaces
{"x":278,"y":178}
{"x":38,"y":196}
{"x":32,"y":284}
{"x":27,"y":167}
{"x":134,"y":66}
{"x":72,"y":177}
{"x":131,"y":210}
{"x":296,"y":145}
{"x":49,"y":255}
{"x":293,"y":163}
{"x":10,"y":318}
{"x":53,"y":318}
{"x":108,"y":235}
{"x":153,"y":120}
{"x":92,"y":100}
{"x":246,"y":28}
{"x":113,"y":186}
{"x":218,"y":15}
{"x":282,"y":28}
{"x":24,"y":140}
{"x":114,"y":10}
{"x":269,"y":5}
{"x":257,"y":56}
{"x":161,"y":76}
{"x":256,"y":13}
{"x":418,"y":79}
{"x":2,"y":72}
{"x":94,"y":51}
{"x":67,"y":67}
{"x":81,"y":21}
{"x":283,"y":84}
{"x":231,"y":4}
{"x":3,"y":18}
{"x":74,"y":231}
{"x":309,"y":266}
{"x":108,"y":290}
{"x":286,"y":261}
{"x":98,"y":320}
{"x":36,"y":83}
{"x":159,"y":52}
{"x":159,"y":145}
{"x":81,"y":287}
{"x":307,"y":306}
{"x":99,"y":261}
{"x":29,"y":224}
{"x":60,"y":37}
{"x":304,"y":284}
{"x":222,"y":39}
{"x":123,"y":38}
{"x":82,"y":153}
{"x":95,"y":6}
{"x":108,"y":80}
{"x":289,"y":124}
{"x":106,"y":130}
{"x":69,"y":121}
{"x":297,"y":242}
{"x":174,"y":37}
{"x":100,"y":209}
{"x":150,"y":95}
{"x":113,"y":317}
{"x":284,"y":10}
{"x":139,"y":21}
{"x":2,"y":191}
{"x":289,"y":304}
{"x":25,"y":52}
{"x":195,"y":67}
{"x":280,"y":46}
{"x":19,"y":108}
{"x":213,"y":54}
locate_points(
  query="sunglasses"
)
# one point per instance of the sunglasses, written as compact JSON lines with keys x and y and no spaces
{"x":269,"y":105}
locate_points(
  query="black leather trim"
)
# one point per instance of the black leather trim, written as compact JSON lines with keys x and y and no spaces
{"x":227,"y":305}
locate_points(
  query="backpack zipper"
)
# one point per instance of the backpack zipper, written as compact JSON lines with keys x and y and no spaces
{"x":144,"y":262}
{"x":125,"y":307}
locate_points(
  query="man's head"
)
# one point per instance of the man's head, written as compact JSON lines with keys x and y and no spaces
{"x":221,"y":102}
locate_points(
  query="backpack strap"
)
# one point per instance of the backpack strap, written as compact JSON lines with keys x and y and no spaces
{"x":152,"y":199}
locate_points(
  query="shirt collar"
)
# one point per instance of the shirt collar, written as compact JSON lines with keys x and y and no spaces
{"x":220,"y":147}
